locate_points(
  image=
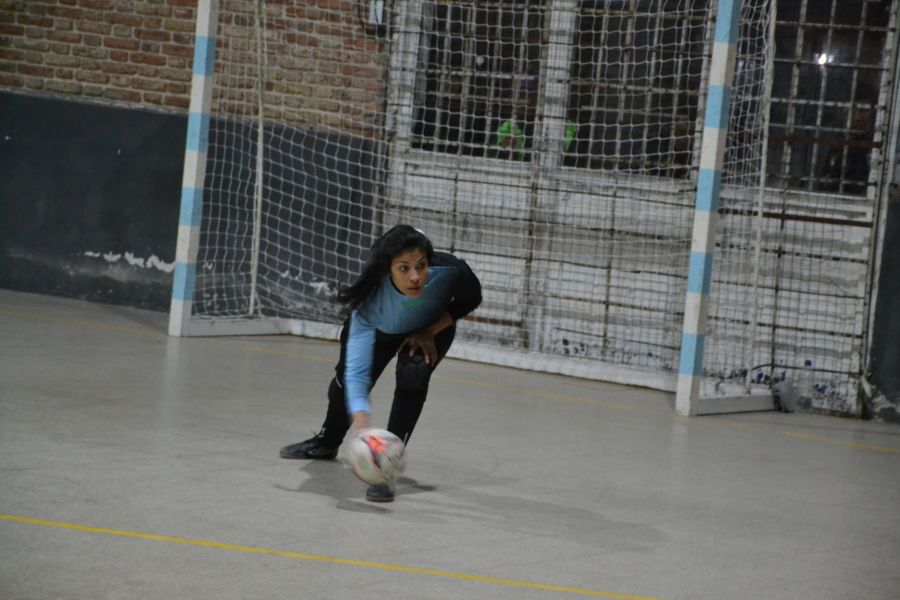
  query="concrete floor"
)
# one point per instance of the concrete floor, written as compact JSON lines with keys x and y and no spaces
{"x":134,"y":465}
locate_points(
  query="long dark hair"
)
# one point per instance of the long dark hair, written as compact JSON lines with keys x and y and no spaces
{"x":397,"y":240}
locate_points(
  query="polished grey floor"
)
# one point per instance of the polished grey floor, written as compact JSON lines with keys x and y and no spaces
{"x":135,"y":465}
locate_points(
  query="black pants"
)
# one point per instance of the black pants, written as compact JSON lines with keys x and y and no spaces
{"x":413,"y":377}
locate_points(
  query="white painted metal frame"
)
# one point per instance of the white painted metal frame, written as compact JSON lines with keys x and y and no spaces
{"x":195,"y":152}
{"x":690,"y":370}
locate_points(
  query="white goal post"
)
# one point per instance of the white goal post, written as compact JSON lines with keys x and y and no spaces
{"x":601,"y":165}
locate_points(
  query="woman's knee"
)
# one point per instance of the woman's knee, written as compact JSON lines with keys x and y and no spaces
{"x":413,"y":373}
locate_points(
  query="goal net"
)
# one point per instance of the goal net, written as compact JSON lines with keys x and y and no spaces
{"x":554,"y":146}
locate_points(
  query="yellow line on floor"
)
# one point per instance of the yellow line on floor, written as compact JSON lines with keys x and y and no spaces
{"x":327,"y":559}
{"x":854,"y":445}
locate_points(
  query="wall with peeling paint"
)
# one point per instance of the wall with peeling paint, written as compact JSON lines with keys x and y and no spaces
{"x":90,"y":197}
{"x":90,"y":200}
{"x":883,"y":370}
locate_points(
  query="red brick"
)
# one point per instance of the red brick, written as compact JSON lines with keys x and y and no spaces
{"x":118,"y":55}
{"x":121,"y":95}
{"x":101,"y":28}
{"x":119,"y":68}
{"x":122,"y":31}
{"x":65,"y":87}
{"x":178,"y":25}
{"x":175,"y":50}
{"x":148,"y":59}
{"x":174,"y":75}
{"x":178,"y":101}
{"x":60,"y":60}
{"x":69,"y":13}
{"x":90,"y":52}
{"x":96,"y":4}
{"x":121,"y":43}
{"x":35,"y":9}
{"x":64,"y":36}
{"x":34,"y":45}
{"x":35,"y":70}
{"x":152,"y":9}
{"x":333,"y":5}
{"x":10,"y":80}
{"x":12,"y":30}
{"x":92,"y":90}
{"x":152,"y":35}
{"x":92,"y":77}
{"x":126,"y":19}
{"x":301,"y":39}
{"x":9,"y":54}
{"x":23,"y":19}
{"x":148,"y":71}
{"x":152,"y":97}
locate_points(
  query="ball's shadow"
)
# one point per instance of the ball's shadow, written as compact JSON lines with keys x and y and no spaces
{"x":332,"y":479}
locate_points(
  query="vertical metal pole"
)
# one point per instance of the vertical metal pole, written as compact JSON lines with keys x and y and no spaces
{"x":709,"y":180}
{"x":194,"y":168}
{"x":753,"y":325}
{"x":260,"y":154}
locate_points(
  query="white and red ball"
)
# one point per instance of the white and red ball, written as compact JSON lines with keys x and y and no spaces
{"x":374,"y":455}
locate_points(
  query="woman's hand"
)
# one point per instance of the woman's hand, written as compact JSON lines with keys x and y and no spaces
{"x":423,"y":341}
{"x":360,"y":420}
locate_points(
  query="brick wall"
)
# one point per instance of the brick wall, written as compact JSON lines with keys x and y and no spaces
{"x":133,"y":52}
{"x":324,"y":69}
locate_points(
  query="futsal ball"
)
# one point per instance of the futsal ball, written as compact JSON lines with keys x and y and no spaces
{"x":374,"y":455}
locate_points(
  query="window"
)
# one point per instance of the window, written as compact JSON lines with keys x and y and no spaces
{"x":477,"y":87}
{"x":828,"y":73}
{"x":635,"y":85}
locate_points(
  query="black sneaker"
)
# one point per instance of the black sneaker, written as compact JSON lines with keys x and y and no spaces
{"x":314,"y":447}
{"x":380,"y":493}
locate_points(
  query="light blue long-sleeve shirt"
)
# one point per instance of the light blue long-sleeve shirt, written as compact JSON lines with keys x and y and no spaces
{"x":452,"y":288}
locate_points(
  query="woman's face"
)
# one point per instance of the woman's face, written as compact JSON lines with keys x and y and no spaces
{"x":409,"y":272}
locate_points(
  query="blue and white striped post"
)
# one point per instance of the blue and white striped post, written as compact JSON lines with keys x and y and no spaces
{"x":194,"y":168}
{"x":693,"y":336}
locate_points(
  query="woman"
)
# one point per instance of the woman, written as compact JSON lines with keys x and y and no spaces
{"x":406,"y":303}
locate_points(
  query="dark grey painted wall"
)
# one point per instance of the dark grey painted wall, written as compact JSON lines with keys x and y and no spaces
{"x":885,"y":363}
{"x":80,"y":179}
{"x":90,"y":203}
